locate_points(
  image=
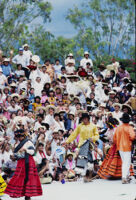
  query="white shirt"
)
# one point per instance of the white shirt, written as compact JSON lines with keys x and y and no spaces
{"x":11,"y":109}
{"x":70,"y":70}
{"x":21,"y":59}
{"x":28,"y":54}
{"x":45,"y":78}
{"x":49,"y":119}
{"x":84,"y":61}
{"x":3,"y":79}
{"x":38,"y":87}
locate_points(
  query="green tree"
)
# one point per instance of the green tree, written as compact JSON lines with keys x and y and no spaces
{"x":104,"y":27}
{"x":18,"y":18}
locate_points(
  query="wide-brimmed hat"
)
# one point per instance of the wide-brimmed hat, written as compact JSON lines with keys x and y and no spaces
{"x":85,"y":115}
{"x":50,"y":107}
{"x":102,"y":105}
{"x":15,"y":95}
{"x":128,"y":107}
{"x":69,"y":154}
{"x":125,"y":118}
{"x":41,"y":108}
{"x":25,"y":45}
{"x":81,"y":111}
{"x":86,"y":53}
{"x":112,"y":92}
{"x":13,"y":85}
{"x":6,"y":60}
{"x":58,"y":87}
{"x":35,"y":59}
{"x":71,"y":113}
{"x":70,"y":54}
{"x":6,"y":88}
{"x":117,"y":104}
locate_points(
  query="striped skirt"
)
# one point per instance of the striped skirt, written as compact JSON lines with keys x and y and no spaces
{"x":112,"y":165}
{"x":17,"y":188}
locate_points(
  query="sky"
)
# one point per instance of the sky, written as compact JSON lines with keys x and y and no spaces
{"x":59,"y":26}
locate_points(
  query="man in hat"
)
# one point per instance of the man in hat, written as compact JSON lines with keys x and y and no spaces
{"x":70,"y":56}
{"x":6,"y":67}
{"x":20,"y":58}
{"x":26,"y":51}
{"x":123,"y":137}
{"x":23,"y":60}
{"x":86,"y":129}
{"x":86,"y":60}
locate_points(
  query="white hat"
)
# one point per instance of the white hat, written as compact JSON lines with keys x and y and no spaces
{"x":15,"y":95}
{"x":25,"y":45}
{"x":35,"y":59}
{"x":6,"y":60}
{"x":70,"y":54}
{"x":55,"y":130}
{"x":13,"y":85}
{"x":1,"y":70}
{"x":117,"y":104}
{"x":86,"y":52}
{"x":102,"y":105}
{"x":112,"y":92}
{"x":71,"y":113}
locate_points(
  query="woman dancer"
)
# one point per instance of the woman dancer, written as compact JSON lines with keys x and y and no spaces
{"x":25,"y":181}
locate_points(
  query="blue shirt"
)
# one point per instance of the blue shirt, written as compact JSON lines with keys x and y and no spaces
{"x":6,"y":69}
{"x":57,"y":69}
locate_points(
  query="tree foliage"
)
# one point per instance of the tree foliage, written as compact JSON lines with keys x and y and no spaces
{"x":104,"y":27}
{"x":17,"y":20}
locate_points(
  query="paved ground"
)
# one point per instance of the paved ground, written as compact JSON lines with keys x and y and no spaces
{"x":97,"y":190}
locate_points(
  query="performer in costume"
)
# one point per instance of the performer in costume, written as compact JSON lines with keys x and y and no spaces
{"x":86,"y":130}
{"x":123,"y":137}
{"x":112,"y":164}
{"x":3,"y":186}
{"x":88,"y":135}
{"x":25,"y":181}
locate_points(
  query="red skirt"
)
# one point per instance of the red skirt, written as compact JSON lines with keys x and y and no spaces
{"x":112,"y":165}
{"x":17,"y":188}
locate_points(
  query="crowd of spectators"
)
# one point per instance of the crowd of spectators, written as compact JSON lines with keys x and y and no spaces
{"x":47,"y":101}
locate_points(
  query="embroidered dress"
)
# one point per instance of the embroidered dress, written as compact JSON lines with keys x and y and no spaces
{"x":112,"y":165}
{"x":25,"y":181}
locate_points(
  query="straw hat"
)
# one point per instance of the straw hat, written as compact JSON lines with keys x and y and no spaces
{"x":13,"y":85}
{"x":41,"y":108}
{"x":58,"y":87}
{"x":25,"y":45}
{"x":111,"y":92}
{"x":35,"y":59}
{"x":86,"y":53}
{"x":71,"y":113}
{"x":81,"y":111}
{"x":128,"y":107}
{"x":6,"y":60}
{"x":50,"y":107}
{"x":117,"y":104}
{"x":15,"y":95}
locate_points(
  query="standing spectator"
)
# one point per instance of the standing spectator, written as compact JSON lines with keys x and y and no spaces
{"x":23,"y":60}
{"x":86,"y":60}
